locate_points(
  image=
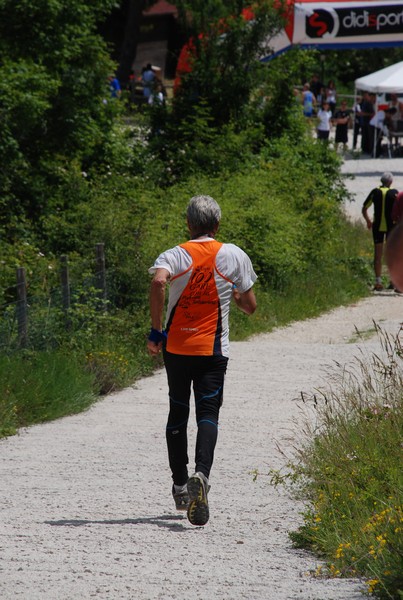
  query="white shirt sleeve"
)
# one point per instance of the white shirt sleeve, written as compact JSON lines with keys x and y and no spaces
{"x":235,"y":264}
{"x":176,"y":260}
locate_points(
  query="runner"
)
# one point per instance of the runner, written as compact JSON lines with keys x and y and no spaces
{"x":382,"y":198}
{"x":204,"y":275}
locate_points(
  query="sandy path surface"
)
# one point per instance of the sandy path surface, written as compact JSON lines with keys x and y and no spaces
{"x":86,"y":510}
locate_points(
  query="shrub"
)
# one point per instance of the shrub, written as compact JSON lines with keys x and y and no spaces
{"x":349,"y":469}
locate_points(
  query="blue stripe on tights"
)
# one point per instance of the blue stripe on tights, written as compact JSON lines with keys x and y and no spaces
{"x":208,"y":421}
{"x":177,"y":402}
{"x":211,"y":395}
{"x":168,"y":427}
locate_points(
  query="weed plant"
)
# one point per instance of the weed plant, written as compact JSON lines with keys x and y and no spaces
{"x":350,"y":470}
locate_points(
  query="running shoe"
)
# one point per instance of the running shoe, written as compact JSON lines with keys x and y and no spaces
{"x":198,"y":488}
{"x":180,"y":496}
{"x":378,"y":287}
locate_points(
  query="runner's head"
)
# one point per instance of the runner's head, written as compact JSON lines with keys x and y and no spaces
{"x":387,"y":178}
{"x":203,"y":216}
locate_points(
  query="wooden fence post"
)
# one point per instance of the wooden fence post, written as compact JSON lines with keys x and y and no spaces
{"x":65,"y":282}
{"x":101,"y":274}
{"x":22,"y":307}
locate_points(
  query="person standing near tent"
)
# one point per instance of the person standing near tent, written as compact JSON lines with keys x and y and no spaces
{"x":331,"y":95}
{"x":341,"y":118}
{"x":367,"y":112}
{"x":357,"y":126}
{"x":382,"y":198}
{"x":380,"y":125}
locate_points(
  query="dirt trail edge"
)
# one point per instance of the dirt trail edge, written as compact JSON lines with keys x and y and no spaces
{"x":86,"y":510}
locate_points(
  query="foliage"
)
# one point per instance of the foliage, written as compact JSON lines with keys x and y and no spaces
{"x":271,"y":206}
{"x":222,"y":55}
{"x":349,"y":468}
{"x":275,"y":101}
{"x":38,"y":387}
{"x":109,"y":370}
{"x":348,"y":65}
{"x":53,"y":89}
{"x":194,"y":145}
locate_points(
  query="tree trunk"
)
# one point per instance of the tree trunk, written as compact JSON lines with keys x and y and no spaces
{"x":130,"y":39}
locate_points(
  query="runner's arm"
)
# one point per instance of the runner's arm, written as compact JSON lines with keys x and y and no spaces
{"x":157,"y":302}
{"x":245,"y":301}
{"x":366,"y":205}
{"x":366,"y":217}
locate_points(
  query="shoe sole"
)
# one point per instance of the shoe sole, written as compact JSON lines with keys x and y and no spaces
{"x":198,"y":510}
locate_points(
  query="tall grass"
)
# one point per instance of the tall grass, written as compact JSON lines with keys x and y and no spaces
{"x":350,"y":470}
{"x":41,"y":386}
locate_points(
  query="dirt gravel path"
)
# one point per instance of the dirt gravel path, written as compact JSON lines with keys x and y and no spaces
{"x":86,"y":510}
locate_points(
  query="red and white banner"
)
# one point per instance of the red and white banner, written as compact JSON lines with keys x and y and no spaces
{"x":337,"y":24}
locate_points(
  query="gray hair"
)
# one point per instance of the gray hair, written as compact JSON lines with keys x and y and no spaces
{"x":387,"y":178}
{"x":203,"y":214}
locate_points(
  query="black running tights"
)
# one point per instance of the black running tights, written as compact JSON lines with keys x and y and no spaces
{"x":207,"y":375}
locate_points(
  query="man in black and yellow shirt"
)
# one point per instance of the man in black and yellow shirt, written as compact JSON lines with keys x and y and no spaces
{"x":382,"y":199}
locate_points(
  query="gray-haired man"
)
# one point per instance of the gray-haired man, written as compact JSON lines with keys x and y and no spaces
{"x":204,"y":275}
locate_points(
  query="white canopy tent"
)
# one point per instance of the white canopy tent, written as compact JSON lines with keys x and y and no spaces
{"x":387,"y":80}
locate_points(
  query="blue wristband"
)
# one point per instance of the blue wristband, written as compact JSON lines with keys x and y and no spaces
{"x":157,"y":336}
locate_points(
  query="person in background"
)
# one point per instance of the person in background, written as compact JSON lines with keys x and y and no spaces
{"x":321,"y":96}
{"x":157,"y":97}
{"x":382,"y":198}
{"x":114,"y":86}
{"x":331,"y":95}
{"x":398,"y":105}
{"x":367,"y":112}
{"x":148,"y":80}
{"x":308,"y":101}
{"x":394,"y":256}
{"x":357,"y":126}
{"x":380,"y":125}
{"x":204,"y":276}
{"x":397,"y":116}
{"x":397,"y":210}
{"x":341,"y":119}
{"x":316,"y":86}
{"x":397,"y":218}
{"x":324,"y":117}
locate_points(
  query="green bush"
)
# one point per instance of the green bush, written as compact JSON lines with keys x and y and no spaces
{"x":349,"y":469}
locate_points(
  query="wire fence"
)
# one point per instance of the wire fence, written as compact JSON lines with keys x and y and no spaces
{"x":41,"y":320}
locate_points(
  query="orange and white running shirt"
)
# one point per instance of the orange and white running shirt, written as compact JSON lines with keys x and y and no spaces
{"x":202,"y":274}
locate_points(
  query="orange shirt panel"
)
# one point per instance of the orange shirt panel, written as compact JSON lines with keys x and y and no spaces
{"x":195,"y":324}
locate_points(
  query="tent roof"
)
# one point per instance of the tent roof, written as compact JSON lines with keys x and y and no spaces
{"x":389,"y":79}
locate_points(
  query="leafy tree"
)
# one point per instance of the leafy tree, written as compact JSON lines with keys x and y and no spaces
{"x":347,"y":65}
{"x":223,"y":67}
{"x":227,"y":101}
{"x":53,"y":90}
